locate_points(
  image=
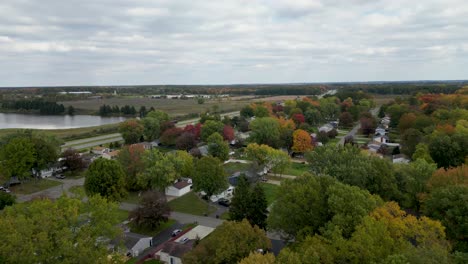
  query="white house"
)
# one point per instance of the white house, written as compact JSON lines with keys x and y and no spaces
{"x":179,"y":188}
{"x":400,"y":158}
{"x":380,"y":131}
{"x":380,"y":139}
{"x":326,"y":128}
{"x":134,"y":243}
{"x":173,"y":251}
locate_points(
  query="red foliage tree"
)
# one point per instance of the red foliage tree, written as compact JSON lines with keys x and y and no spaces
{"x":169,"y":136}
{"x":228,"y":133}
{"x":298,"y":118}
{"x":186,"y":141}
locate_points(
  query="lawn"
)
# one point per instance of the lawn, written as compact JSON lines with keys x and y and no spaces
{"x":122,"y":215}
{"x":132,"y":198}
{"x":232,"y":167}
{"x":271,"y":191}
{"x":152,"y":232}
{"x":297,"y":169}
{"x":190,"y":204}
{"x":34,"y":186}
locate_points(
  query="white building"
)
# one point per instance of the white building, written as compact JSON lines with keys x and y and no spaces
{"x":135,"y":244}
{"x":400,"y":158}
{"x":179,"y":188}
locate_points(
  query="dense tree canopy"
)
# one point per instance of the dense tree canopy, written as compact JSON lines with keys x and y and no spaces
{"x":152,"y":210}
{"x":132,"y":131}
{"x":265,"y":131}
{"x":106,"y":178}
{"x":209,"y":176}
{"x":131,"y":159}
{"x":63,"y":231}
{"x":217,"y":147}
{"x":229,"y":243}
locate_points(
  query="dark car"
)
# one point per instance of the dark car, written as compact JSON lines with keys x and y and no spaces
{"x":224,"y":202}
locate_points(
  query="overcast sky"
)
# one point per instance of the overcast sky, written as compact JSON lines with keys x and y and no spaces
{"x":112,"y":42}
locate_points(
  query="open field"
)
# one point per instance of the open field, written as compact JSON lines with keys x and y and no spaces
{"x":279,"y":98}
{"x":383,"y":99}
{"x":174,"y":107}
{"x":33,"y":186}
{"x":71,"y":134}
{"x":190,"y":203}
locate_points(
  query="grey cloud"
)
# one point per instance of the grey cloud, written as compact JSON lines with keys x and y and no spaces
{"x":56,"y":42}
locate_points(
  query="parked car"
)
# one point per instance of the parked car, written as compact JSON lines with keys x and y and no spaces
{"x":176,"y":232}
{"x":224,"y":202}
{"x":60,"y":176}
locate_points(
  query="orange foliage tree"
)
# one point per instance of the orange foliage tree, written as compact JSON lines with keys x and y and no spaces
{"x":302,"y":141}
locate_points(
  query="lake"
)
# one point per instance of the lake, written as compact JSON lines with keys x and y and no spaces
{"x":10,"y":120}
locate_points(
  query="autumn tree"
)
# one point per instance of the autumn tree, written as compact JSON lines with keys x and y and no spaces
{"x":186,"y":141}
{"x":228,"y":133}
{"x":346,"y":120}
{"x":73,"y":160}
{"x":368,"y":125}
{"x":66,"y":230}
{"x":169,"y":136}
{"x":446,"y":177}
{"x":131,"y":159}
{"x":132,"y":131}
{"x":406,"y":121}
{"x":229,"y":243}
{"x":298,"y":118}
{"x":152,"y":210}
{"x":106,"y":178}
{"x":302,"y":141}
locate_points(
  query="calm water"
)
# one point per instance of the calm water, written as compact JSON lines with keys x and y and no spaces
{"x":54,"y":122}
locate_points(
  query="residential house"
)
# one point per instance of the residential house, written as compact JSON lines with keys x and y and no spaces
{"x":145,"y":145}
{"x":179,"y":188}
{"x":111,"y":155}
{"x":134,"y":244}
{"x":326,"y":128}
{"x":381,"y":139}
{"x":173,"y":251}
{"x":99,"y":150}
{"x":203,"y":150}
{"x":380,"y":131}
{"x":400,"y":158}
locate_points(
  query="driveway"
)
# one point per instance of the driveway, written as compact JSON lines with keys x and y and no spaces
{"x":355,"y":129}
{"x":54,"y":192}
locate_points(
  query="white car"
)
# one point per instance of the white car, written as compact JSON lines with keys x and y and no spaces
{"x":176,"y":232}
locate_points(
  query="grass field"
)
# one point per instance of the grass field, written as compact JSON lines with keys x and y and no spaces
{"x":132,"y":198}
{"x":77,"y":190}
{"x":297,"y":169}
{"x":122,"y":215}
{"x":271,"y":192}
{"x":152,"y":232}
{"x":34,"y":186}
{"x":174,"y":107}
{"x":190,"y":204}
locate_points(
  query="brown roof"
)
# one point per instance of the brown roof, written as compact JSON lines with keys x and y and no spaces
{"x":181,"y":184}
{"x":113,"y":153}
{"x":176,"y":249}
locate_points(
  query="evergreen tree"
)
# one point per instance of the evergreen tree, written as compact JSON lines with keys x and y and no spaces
{"x":257,"y":207}
{"x":240,"y":201}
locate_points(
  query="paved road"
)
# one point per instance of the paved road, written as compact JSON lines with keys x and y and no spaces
{"x":54,"y":192}
{"x":86,"y":140}
{"x":183,"y":123}
{"x":355,"y":129}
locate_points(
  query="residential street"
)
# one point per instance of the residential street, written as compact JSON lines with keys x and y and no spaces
{"x":356,"y":128}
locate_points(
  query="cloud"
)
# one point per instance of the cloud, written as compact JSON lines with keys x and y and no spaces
{"x":84,"y":42}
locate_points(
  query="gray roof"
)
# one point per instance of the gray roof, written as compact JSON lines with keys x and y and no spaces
{"x":177,"y":249}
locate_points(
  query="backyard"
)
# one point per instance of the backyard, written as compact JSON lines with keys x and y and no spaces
{"x":297,"y":169}
{"x":190,"y":203}
{"x":271,"y":192}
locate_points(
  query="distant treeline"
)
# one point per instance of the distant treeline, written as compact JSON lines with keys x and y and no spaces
{"x":405,"y":89}
{"x":106,"y":110}
{"x":53,"y":93}
{"x":44,"y":107}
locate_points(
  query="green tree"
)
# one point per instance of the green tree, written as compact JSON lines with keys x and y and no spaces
{"x":152,"y":210}
{"x":259,"y":258}
{"x":6,"y":199}
{"x":240,"y":202}
{"x":217,"y":147}
{"x":261,"y":111}
{"x":450,"y":206}
{"x":18,"y":158}
{"x":159,"y":171}
{"x":445,"y":151}
{"x":210,"y":127}
{"x":70,"y":110}
{"x":131,"y":130}
{"x":422,"y":152}
{"x":209,"y":176}
{"x":63,"y":231}
{"x":257,"y":210}
{"x":313,"y":116}
{"x":106,"y":178}
{"x":229,"y":243}
{"x":265,"y":130}
{"x":279,"y":161}
{"x":151,"y":128}
{"x":409,"y":140}
{"x":183,"y":163}
{"x":247,"y":112}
